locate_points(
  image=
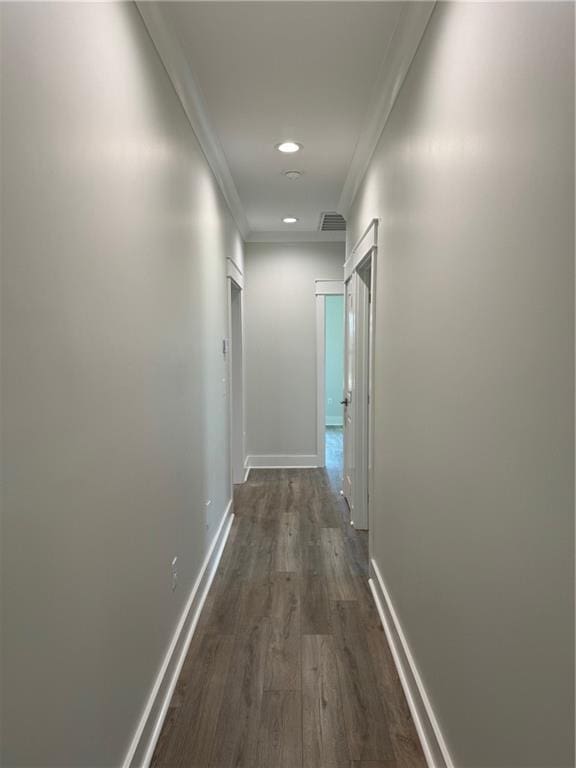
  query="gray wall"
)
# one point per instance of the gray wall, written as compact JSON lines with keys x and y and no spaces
{"x":114,"y":240}
{"x":280,"y":327}
{"x":473,"y":182}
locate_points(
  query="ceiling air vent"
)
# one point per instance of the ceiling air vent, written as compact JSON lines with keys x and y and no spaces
{"x":332,"y":222}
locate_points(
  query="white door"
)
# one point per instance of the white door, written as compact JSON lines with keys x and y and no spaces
{"x":347,"y":400}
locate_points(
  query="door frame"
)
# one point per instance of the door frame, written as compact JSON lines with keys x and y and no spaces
{"x":349,"y":400}
{"x":238,"y":473}
{"x":322,"y":289}
{"x":363,"y":254}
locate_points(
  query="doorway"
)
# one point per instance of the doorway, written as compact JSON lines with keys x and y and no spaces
{"x":334,"y":387}
{"x":330,"y":378}
{"x":236,"y":379}
{"x":359,"y":275}
{"x":359,"y":435}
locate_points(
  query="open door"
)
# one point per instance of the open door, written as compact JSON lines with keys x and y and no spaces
{"x":347,"y":401}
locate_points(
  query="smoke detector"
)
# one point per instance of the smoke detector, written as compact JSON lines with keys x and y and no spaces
{"x":292,"y":175}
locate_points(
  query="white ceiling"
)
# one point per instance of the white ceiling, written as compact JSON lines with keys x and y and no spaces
{"x":284,"y":70}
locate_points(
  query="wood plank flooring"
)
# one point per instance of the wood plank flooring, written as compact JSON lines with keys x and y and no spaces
{"x":289,"y":666}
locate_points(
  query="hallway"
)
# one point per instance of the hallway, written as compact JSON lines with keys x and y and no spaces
{"x":269,"y":269}
{"x":289,"y":665}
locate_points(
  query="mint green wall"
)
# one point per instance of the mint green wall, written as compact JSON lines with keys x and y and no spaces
{"x":334,"y":359}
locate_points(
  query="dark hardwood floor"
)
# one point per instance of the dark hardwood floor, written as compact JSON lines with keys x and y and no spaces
{"x":289,"y":666}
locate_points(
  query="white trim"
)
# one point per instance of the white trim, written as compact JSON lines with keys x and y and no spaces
{"x":329,"y":287}
{"x":234,"y":273}
{"x":150,"y":724}
{"x":371,"y":390}
{"x":348,"y":432}
{"x":295,"y":461}
{"x":367,"y":240}
{"x":282,"y":236}
{"x":402,"y":48}
{"x":236,"y":404}
{"x":361,"y":404}
{"x":322,"y":288}
{"x":365,"y":244}
{"x":247,"y":468}
{"x":433,"y":743}
{"x":179,"y":72}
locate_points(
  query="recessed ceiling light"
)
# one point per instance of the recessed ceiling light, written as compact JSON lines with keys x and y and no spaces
{"x":292,"y":175}
{"x":289,"y":220}
{"x":288,"y":146}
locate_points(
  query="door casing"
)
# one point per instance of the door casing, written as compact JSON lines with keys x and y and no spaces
{"x":360,"y":279}
{"x":234,"y":348}
{"x":323,"y":288}
{"x":348,"y":394}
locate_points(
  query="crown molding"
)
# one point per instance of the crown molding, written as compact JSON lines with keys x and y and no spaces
{"x":410,"y":27}
{"x":296,"y":237}
{"x":170,"y":52}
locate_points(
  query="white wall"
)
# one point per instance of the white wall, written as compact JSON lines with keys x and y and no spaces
{"x":473,"y":183}
{"x":280,"y":327}
{"x":114,"y":241}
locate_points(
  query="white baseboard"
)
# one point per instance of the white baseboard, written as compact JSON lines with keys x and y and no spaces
{"x":144,"y":741}
{"x":433,"y":744}
{"x":247,"y":468}
{"x":282,"y":462}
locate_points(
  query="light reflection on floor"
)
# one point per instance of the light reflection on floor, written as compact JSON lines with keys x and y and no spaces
{"x":334,"y":456}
